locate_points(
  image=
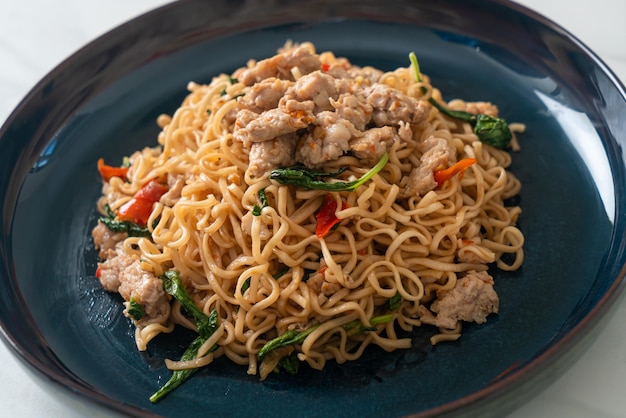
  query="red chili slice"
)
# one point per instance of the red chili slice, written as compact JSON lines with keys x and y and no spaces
{"x":441,"y":176}
{"x":139,"y":208}
{"x":326,"y":218}
{"x":107,"y":172}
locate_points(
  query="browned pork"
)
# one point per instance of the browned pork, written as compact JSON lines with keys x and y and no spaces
{"x":104,"y":239}
{"x":281,"y":65}
{"x":326,"y":112}
{"x":391,"y":106}
{"x":471,"y":300}
{"x":122,"y":273}
{"x":436,"y":153}
{"x":268,"y":155}
{"x":265,"y":94}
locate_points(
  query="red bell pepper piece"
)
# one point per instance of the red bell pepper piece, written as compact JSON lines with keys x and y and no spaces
{"x":326,"y":218}
{"x":441,"y":176}
{"x":139,"y":208}
{"x":107,"y":171}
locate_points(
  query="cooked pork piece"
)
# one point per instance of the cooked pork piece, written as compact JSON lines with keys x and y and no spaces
{"x":104,"y":239}
{"x":122,"y":273}
{"x":436,"y":153}
{"x":281,"y":65}
{"x":471,"y":300}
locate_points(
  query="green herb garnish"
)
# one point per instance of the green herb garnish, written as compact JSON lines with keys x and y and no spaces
{"x":173,"y":285}
{"x":135,"y":309}
{"x":395,"y":301}
{"x":245,"y":286}
{"x":131,"y":228}
{"x":179,"y":376}
{"x":231,"y":80}
{"x":281,"y":272}
{"x":290,"y":364}
{"x":489,"y":130}
{"x":207,"y":325}
{"x":256,"y":209}
{"x":356,"y":327}
{"x":309,"y":179}
{"x":293,"y":336}
{"x":290,"y":337}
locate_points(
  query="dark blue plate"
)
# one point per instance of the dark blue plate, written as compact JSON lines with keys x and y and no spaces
{"x":103,"y":102}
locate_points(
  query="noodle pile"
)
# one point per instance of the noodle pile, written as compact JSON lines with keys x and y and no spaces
{"x":270,"y":273}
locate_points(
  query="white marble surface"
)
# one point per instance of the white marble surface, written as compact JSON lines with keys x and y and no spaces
{"x":36,"y":35}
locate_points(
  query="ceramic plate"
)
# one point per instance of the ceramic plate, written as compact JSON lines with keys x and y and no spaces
{"x":103,"y":102}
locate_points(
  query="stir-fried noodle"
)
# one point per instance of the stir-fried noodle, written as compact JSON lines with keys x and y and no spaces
{"x":267,"y":255}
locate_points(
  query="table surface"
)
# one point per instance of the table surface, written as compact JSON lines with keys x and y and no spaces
{"x":35,"y":36}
